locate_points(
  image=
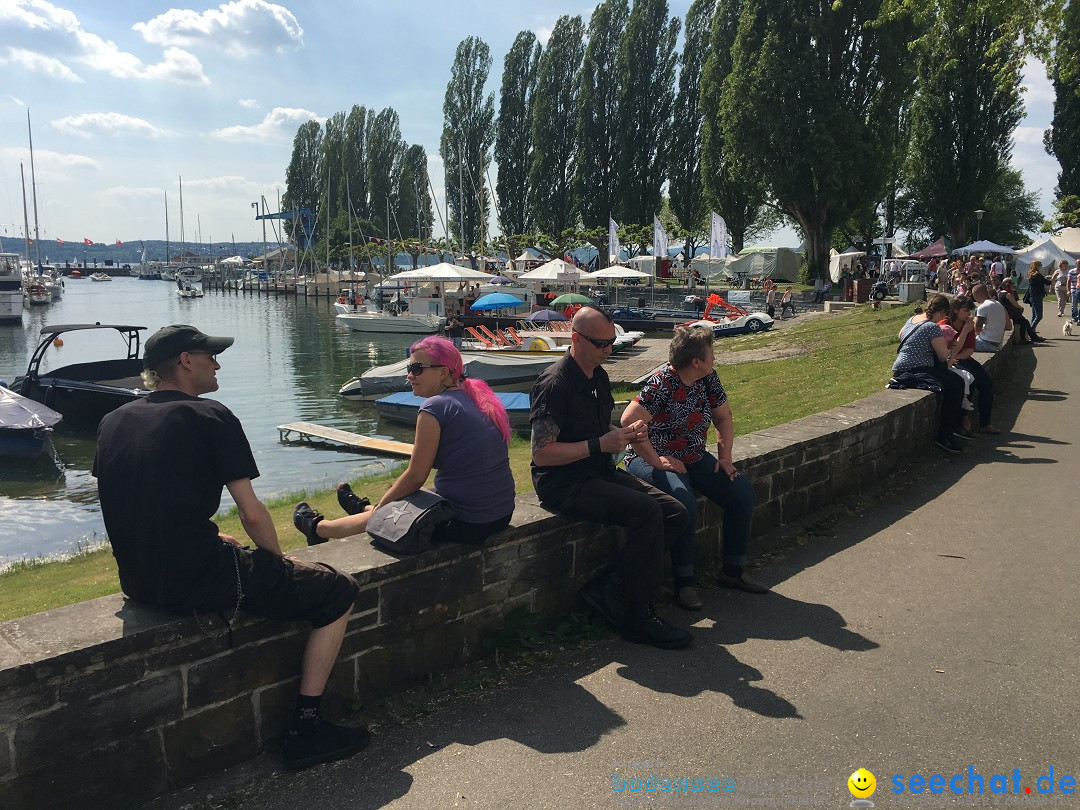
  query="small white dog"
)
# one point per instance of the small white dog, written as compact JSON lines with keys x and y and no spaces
{"x":1067,"y":329}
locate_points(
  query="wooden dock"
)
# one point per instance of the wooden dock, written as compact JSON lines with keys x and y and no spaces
{"x":310,"y":432}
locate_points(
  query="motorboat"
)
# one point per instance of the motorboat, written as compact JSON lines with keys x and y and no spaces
{"x":100,"y":277}
{"x":188,"y":274}
{"x":75,"y":273}
{"x":84,"y":392}
{"x":11,"y":291}
{"x":25,"y":425}
{"x":369,"y":318}
{"x":503,"y":372}
{"x":37,"y":293}
{"x":189,"y":292}
{"x":403,"y":409}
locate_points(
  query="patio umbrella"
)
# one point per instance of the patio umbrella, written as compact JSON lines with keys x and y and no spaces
{"x":500,"y":280}
{"x":571,"y":298}
{"x":496,"y":301}
{"x":546,"y":315}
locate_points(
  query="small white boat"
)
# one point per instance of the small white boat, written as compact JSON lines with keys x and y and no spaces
{"x":503,"y":372}
{"x":25,"y":425}
{"x":370,"y":318}
{"x":189,"y":275}
{"x":100,"y":277}
{"x":189,"y":292}
{"x":37,"y":293}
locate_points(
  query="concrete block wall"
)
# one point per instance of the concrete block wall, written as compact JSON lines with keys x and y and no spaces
{"x":112,"y":702}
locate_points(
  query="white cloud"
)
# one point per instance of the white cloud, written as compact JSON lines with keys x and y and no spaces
{"x":1037,"y":87}
{"x":37,"y":63}
{"x":18,"y":102}
{"x":543,"y":33}
{"x":46,"y":160}
{"x":240,"y":28}
{"x":86,"y":125}
{"x":249,"y":103}
{"x":49,"y":32}
{"x":280,"y":120}
{"x":1029,"y":135}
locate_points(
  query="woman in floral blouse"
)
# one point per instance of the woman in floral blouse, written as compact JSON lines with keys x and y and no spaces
{"x":678,"y":403}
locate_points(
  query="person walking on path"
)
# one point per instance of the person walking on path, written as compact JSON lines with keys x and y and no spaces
{"x":1036,"y":293}
{"x":1060,"y":280}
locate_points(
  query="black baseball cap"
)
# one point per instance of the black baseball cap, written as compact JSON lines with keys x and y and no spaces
{"x":169,"y":341}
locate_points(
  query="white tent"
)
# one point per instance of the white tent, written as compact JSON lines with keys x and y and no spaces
{"x":839,"y":262}
{"x":1069,"y":241}
{"x":707,"y":267}
{"x":1047,"y":252}
{"x":614,"y":272}
{"x":555,"y":270}
{"x":646,"y":264}
{"x":443,"y":271}
{"x":984,"y":247}
{"x":776,"y":263}
{"x":234,"y":260}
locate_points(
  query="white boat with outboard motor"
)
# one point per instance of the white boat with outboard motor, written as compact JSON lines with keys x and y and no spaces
{"x":100,"y":277}
{"x":25,"y":425}
{"x":84,"y":392}
{"x":369,"y":318}
{"x":503,"y":372}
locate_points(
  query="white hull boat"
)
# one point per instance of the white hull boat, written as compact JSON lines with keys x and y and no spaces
{"x":11,"y":292}
{"x":100,"y":277}
{"x":372,"y":319}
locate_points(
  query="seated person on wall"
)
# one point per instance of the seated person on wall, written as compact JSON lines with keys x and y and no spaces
{"x":962,"y":320}
{"x":574,"y":474}
{"x":1006,"y":296}
{"x":462,"y":431}
{"x":678,"y":403}
{"x":161,"y":464}
{"x":990,"y":317}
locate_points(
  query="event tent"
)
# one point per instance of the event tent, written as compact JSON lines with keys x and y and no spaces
{"x":935,"y":250}
{"x":555,"y":270}
{"x":781,"y":264}
{"x":1069,"y":241}
{"x":984,"y":247}
{"x":708,"y":267}
{"x":839,"y":262}
{"x":1047,"y":252}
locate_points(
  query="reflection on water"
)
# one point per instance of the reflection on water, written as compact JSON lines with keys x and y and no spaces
{"x":288,"y":362}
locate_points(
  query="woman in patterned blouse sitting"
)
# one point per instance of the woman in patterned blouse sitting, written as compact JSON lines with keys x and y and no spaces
{"x":678,"y":403}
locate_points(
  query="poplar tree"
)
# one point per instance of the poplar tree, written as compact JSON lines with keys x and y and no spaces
{"x":513,"y":134}
{"x":599,"y":122}
{"x":1062,"y":140}
{"x":354,"y":160}
{"x":466,"y":141}
{"x":554,"y":127}
{"x":302,"y":184}
{"x":384,"y":150}
{"x":646,"y":71}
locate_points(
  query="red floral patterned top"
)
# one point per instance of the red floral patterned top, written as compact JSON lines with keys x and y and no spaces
{"x":681,"y":414}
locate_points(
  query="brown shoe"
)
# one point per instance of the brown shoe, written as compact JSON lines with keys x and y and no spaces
{"x":686,"y":598}
{"x":990,"y":429}
{"x":740,"y":583}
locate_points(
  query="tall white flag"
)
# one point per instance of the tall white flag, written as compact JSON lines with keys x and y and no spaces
{"x":613,"y":247}
{"x":659,"y":239}
{"x":717,"y":236}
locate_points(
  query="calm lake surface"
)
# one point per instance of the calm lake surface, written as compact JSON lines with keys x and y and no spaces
{"x":290,"y":358}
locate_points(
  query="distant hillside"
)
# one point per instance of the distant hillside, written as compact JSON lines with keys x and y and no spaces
{"x":74,"y":251}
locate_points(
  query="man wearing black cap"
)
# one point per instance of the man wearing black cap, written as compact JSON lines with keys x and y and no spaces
{"x":161,"y":464}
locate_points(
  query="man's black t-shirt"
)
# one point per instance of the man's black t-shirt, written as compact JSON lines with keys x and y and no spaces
{"x":581,"y":407}
{"x":161,"y":464}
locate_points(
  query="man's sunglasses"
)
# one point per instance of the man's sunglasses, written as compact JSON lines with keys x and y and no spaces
{"x":600,"y":344}
{"x":213,"y":357}
{"x":416,"y":369}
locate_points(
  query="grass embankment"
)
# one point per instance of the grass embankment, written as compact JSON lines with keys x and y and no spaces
{"x":847,"y":357}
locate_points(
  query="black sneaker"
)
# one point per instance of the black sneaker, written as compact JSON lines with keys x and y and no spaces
{"x":604,"y":595}
{"x":327,"y":743}
{"x":643,"y":626}
{"x":964,"y":435}
{"x":352,"y":503}
{"x":306,"y":519}
{"x":947,"y":444}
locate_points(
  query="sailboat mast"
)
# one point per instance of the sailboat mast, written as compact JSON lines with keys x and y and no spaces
{"x":167,"y":227}
{"x":461,"y":199}
{"x":181,"y":213}
{"x":26,"y":218}
{"x":33,"y":190}
{"x":389,"y":272}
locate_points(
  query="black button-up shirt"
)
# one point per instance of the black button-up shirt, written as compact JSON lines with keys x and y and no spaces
{"x":581,"y":407}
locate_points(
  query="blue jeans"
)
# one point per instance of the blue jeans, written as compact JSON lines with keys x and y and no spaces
{"x":1036,"y":311}
{"x":1076,"y":305}
{"x":736,"y":498}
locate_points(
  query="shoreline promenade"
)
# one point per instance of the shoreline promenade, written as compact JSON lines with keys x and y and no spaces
{"x":931,"y":631}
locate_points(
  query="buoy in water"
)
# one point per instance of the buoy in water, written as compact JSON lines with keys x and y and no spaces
{"x":58,"y":342}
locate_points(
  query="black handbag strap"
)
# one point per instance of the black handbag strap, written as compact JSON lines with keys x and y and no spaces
{"x":909,"y":334}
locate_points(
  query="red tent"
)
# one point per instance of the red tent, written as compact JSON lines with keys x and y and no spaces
{"x":936,"y":249}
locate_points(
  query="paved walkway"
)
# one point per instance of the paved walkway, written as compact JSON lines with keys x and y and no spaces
{"x":936,"y":630}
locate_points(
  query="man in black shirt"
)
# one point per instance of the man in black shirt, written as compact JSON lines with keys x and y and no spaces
{"x":161,"y":464}
{"x":574,"y":474}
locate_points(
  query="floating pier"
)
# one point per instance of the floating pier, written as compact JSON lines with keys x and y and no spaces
{"x":310,"y":432}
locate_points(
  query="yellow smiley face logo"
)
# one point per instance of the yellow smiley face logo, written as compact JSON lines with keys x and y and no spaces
{"x":862,"y":784}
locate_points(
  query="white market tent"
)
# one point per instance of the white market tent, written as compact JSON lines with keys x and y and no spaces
{"x":555,"y":270}
{"x":1069,"y":241}
{"x":707,"y":267}
{"x":443,"y":271}
{"x":646,"y":264}
{"x":611,"y":273}
{"x":983,"y":247}
{"x":839,"y":262}
{"x":1046,"y":252}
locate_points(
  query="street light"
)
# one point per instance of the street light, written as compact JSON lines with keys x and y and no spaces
{"x":978,"y":222}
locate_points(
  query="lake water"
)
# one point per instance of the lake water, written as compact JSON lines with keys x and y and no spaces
{"x":290,"y":358}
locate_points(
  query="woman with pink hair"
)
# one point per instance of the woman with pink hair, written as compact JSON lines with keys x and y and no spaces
{"x":462,"y":432}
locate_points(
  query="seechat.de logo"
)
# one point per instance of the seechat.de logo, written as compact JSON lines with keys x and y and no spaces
{"x":862,"y":785}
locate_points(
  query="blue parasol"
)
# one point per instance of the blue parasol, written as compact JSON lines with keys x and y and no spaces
{"x":496,"y":301}
{"x":546,"y":315}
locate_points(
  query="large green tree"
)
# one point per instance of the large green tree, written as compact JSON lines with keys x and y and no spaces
{"x":414,"y":215}
{"x":513,"y":133}
{"x":385,"y":148}
{"x":811,"y":84}
{"x":966,"y":110}
{"x":354,"y":161}
{"x":331,"y":178}
{"x":685,"y":192}
{"x":467,"y":136}
{"x":597,"y":177}
{"x":302,"y":186}
{"x":1062,"y":140}
{"x":554,"y":127}
{"x":646,"y":70}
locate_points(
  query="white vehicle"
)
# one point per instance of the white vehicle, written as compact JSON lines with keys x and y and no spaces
{"x":747,"y":324}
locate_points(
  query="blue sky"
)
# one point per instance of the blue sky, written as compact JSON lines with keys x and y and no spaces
{"x":126,"y":96}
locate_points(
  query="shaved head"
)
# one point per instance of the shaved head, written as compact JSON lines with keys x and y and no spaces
{"x":590,"y":317}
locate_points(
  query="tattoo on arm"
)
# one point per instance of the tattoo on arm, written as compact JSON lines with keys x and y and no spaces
{"x":544,"y":431}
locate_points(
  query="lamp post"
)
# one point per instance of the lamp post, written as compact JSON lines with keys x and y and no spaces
{"x":978,"y":222}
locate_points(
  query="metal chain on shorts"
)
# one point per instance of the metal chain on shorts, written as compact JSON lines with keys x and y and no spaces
{"x":208,"y":628}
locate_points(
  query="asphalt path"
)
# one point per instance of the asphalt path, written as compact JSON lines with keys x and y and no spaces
{"x":932,"y":628}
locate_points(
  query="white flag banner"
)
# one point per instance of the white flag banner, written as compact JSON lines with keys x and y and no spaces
{"x":659,"y":240}
{"x":613,"y":247}
{"x":717,"y":236}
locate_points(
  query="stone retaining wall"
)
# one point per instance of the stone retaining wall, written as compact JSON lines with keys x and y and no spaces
{"x":108,"y":702}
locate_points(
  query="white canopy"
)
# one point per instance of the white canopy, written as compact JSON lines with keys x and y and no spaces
{"x":983,"y":247}
{"x":615,"y":271}
{"x":839,"y":262}
{"x":555,"y":270}
{"x":1069,"y":241}
{"x":1047,"y":252}
{"x":646,"y":264}
{"x":443,"y":271}
{"x":707,"y":267}
{"x":234,"y":260}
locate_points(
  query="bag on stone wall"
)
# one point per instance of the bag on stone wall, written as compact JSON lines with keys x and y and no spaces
{"x":406,"y":526}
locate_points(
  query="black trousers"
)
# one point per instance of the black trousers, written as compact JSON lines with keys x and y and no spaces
{"x":952,"y":398}
{"x":652,"y":520}
{"x":984,"y":388}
